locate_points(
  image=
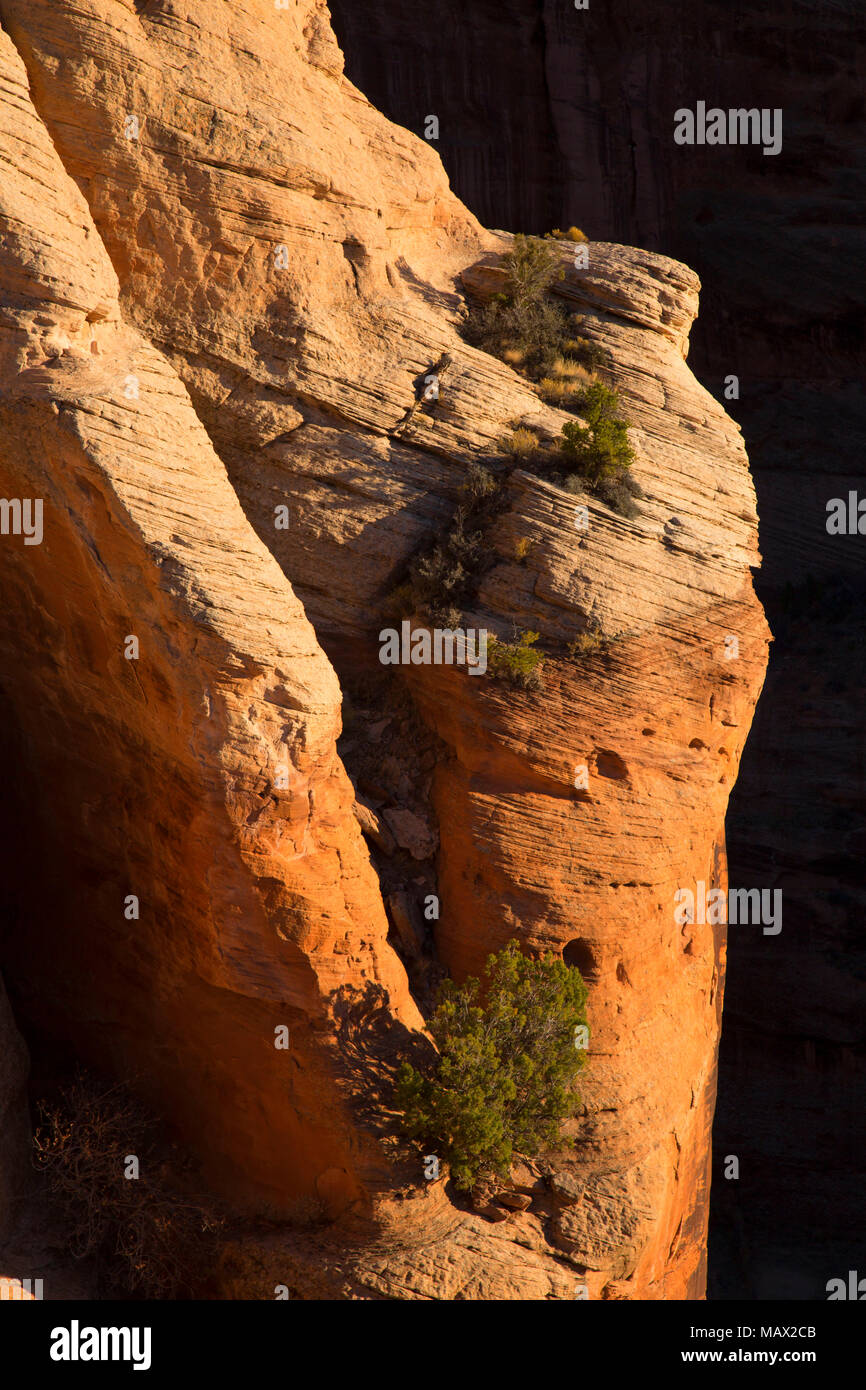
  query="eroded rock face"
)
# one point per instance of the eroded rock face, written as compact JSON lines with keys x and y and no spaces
{"x":255,"y":900}
{"x":219,"y":311}
{"x":550,"y":116}
{"x":658,"y":722}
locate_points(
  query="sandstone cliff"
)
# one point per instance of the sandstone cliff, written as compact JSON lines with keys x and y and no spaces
{"x":223,"y":271}
{"x":550,"y":116}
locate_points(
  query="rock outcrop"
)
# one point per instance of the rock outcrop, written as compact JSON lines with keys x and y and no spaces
{"x":548,"y":116}
{"x":207,"y":869}
{"x":223,"y":272}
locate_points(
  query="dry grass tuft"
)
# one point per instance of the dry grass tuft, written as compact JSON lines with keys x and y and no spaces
{"x":521,"y":443}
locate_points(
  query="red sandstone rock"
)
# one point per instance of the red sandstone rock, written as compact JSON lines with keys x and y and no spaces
{"x":515,"y":1201}
{"x":273,"y":280}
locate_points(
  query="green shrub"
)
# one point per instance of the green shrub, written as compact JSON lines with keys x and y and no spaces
{"x":522,"y":325}
{"x":516,"y":662}
{"x":594,"y":459}
{"x":602,"y":449}
{"x":504,"y":1078}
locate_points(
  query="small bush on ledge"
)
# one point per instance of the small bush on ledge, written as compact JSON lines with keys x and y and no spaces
{"x":565,"y":385}
{"x":601,"y":451}
{"x":522,"y":326}
{"x":515,"y":662}
{"x":527,"y":329}
{"x":596,"y":458}
{"x":504,"y":1078}
{"x":531,"y":267}
{"x":619,"y":494}
{"x":521,"y":444}
{"x":586,"y":644}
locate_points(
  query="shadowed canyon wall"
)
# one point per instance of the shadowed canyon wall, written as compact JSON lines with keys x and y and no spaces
{"x":223,"y":271}
{"x":549,"y":116}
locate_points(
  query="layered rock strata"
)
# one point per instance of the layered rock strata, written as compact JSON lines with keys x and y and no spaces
{"x":223,"y":274}
{"x":547,"y":116}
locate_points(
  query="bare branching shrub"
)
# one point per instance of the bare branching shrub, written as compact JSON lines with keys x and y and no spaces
{"x":576,"y":485}
{"x":480,"y":484}
{"x":531,"y":268}
{"x":618,"y":495}
{"x":443,"y":578}
{"x":144,"y":1235}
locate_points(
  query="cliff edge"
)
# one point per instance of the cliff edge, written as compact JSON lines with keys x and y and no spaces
{"x":222,"y":273}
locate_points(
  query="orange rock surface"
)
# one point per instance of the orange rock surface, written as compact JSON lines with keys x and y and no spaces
{"x":222,"y":272}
